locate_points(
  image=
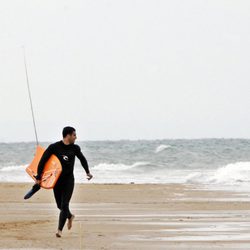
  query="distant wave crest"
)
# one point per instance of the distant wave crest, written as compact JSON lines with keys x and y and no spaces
{"x":118,"y":166}
{"x":161,"y":148}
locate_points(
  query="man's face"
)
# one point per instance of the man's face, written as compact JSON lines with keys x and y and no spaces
{"x":72,"y":138}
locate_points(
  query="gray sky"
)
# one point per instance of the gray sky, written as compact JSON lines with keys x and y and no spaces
{"x":125,"y":69}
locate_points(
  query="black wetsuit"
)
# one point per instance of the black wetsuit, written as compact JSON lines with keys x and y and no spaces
{"x":65,"y":185}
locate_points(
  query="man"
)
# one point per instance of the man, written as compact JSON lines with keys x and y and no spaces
{"x":65,"y":150}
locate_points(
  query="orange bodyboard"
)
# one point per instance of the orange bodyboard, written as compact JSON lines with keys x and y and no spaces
{"x":51,"y":171}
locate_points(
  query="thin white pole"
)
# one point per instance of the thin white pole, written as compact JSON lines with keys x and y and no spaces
{"x":28,"y":86}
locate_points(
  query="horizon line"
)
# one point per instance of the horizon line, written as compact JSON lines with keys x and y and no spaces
{"x":141,"y":139}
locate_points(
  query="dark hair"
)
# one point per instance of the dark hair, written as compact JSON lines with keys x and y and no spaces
{"x":67,"y":131}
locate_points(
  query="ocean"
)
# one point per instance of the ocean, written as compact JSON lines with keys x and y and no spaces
{"x":211,"y":163}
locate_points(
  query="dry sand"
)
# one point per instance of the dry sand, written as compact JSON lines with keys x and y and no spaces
{"x":128,"y":216}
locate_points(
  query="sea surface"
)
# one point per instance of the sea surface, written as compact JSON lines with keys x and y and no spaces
{"x":213,"y":163}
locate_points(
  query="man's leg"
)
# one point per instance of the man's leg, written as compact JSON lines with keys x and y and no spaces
{"x":58,"y":195}
{"x":58,"y":189}
{"x":65,"y":213}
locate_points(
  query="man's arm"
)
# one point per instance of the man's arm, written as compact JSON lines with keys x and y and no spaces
{"x":46,"y":155}
{"x":83,"y":161}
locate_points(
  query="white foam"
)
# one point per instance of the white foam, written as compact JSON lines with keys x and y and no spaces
{"x":16,"y":178}
{"x":161,"y":148}
{"x":235,"y":175}
{"x":14,"y":173}
{"x":118,"y":166}
{"x":13,"y":168}
{"x":232,"y":173}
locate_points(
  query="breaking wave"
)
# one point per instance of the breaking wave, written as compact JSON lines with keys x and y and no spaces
{"x":234,"y":173}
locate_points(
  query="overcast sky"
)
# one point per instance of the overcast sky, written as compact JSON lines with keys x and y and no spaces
{"x":125,"y":69}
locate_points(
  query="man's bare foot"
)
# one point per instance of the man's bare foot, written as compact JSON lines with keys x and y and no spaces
{"x":70,"y":220}
{"x":59,"y":234}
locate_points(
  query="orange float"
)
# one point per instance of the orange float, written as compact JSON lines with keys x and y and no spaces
{"x":51,"y":171}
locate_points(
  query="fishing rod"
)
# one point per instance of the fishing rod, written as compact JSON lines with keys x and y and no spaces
{"x":28,"y":86}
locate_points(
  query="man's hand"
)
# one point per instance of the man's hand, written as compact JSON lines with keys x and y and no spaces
{"x":90,"y":176}
{"x":38,"y":182}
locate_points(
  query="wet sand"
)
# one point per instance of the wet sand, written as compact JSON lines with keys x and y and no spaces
{"x":127,"y":216}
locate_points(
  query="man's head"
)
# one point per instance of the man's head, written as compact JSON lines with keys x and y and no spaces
{"x":69,"y":135}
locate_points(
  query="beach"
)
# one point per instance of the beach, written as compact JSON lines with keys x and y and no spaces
{"x":127,"y":216}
